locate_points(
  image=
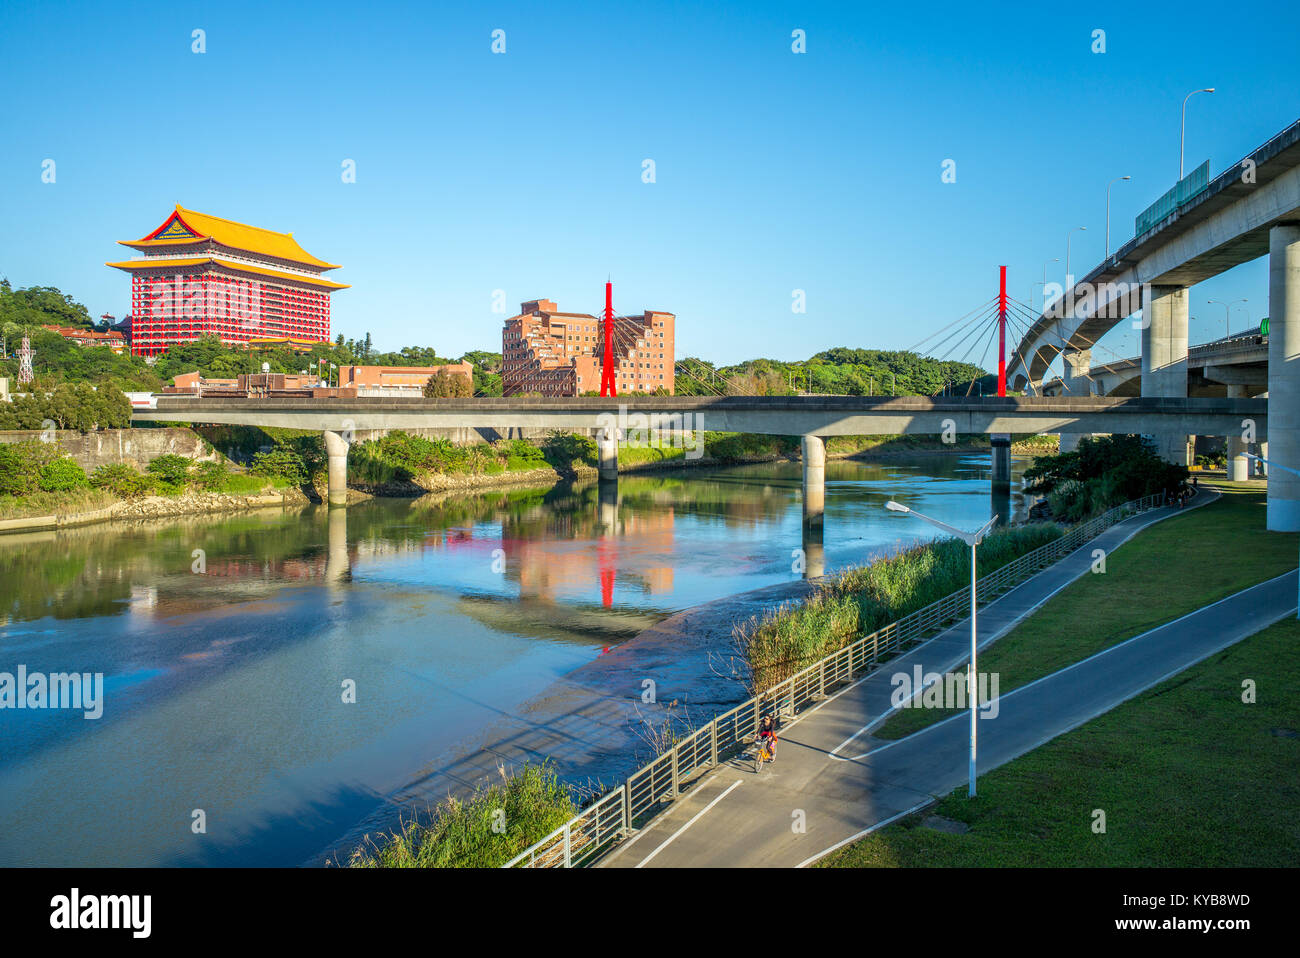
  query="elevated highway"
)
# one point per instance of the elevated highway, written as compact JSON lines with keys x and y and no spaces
{"x":1212,"y":370}
{"x":1204,"y":228}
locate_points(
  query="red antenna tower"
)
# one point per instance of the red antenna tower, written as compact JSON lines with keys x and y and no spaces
{"x":1002,"y":334}
{"x":607,"y":386}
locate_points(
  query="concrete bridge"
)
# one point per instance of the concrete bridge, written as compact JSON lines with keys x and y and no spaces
{"x":1212,"y":370}
{"x":1235,"y":366}
{"x":1251,"y":209}
{"x":680,"y":420}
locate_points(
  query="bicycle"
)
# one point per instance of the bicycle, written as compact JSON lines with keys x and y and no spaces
{"x":762,"y":753}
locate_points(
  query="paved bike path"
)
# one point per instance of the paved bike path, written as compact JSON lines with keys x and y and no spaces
{"x":838,"y":785}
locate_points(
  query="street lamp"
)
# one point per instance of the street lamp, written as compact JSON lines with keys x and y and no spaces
{"x":972,"y":539}
{"x":1182,"y":136}
{"x":1069,"y":280}
{"x":1227,"y":307}
{"x":1294,"y":472}
{"x":1108,"y":186}
{"x":1054,"y":259}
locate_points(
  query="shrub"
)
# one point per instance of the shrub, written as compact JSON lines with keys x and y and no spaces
{"x":1104,"y":471}
{"x":211,"y":476}
{"x":297,"y":459}
{"x":465,"y":833}
{"x":563,"y":449}
{"x":122,"y":481}
{"x":21,"y":464}
{"x":171,"y":472}
{"x":62,"y":475}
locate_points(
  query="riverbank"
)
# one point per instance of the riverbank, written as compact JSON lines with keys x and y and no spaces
{"x":156,"y":507}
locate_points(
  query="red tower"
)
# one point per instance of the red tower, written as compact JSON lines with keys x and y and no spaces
{"x":607,"y":386}
{"x":1002,"y":334}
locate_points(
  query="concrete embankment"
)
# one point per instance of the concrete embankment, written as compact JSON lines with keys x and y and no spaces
{"x":156,"y":507}
{"x":132,"y":447}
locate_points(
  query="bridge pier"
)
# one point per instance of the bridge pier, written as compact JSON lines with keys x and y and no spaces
{"x":1074,"y":377}
{"x":336,"y":452}
{"x":607,"y":456}
{"x":1283,"y":513}
{"x":813,"y":449}
{"x":1164,"y":357}
{"x":1238,"y":464}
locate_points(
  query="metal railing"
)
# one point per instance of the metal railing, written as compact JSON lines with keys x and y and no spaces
{"x":617,"y":812}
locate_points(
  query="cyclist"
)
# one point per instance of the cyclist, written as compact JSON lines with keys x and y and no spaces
{"x":767,"y":734}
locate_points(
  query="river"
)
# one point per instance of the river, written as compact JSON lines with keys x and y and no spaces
{"x":273,"y":678}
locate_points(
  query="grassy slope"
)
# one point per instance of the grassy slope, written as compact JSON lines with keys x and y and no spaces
{"x":1165,"y":572}
{"x":1187,"y":774}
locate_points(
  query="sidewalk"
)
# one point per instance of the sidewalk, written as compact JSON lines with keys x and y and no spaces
{"x":845,"y":784}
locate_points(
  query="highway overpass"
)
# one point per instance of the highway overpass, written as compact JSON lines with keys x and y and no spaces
{"x":1250,"y":209}
{"x":1213,"y":369}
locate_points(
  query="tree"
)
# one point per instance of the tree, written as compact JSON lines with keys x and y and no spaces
{"x":446,"y":384}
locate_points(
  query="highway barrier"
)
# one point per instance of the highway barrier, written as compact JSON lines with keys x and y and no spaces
{"x":615,"y":814}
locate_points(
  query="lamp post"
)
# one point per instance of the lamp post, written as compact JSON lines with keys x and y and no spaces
{"x":1247,"y":310}
{"x":1182,"y":136}
{"x":972,"y":539}
{"x":1227,"y":307}
{"x":1108,"y":186}
{"x":1054,"y":259}
{"x":1294,"y":472}
{"x":1069,"y":280}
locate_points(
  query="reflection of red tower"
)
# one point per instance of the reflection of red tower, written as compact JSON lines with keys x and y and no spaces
{"x":607,"y":385}
{"x":606,"y":575}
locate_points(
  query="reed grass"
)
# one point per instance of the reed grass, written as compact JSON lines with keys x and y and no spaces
{"x":862,"y":599}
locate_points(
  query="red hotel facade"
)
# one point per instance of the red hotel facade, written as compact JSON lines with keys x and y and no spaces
{"x":200,"y":275}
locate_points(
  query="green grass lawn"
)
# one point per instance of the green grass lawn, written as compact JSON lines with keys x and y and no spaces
{"x":1188,"y":775}
{"x":1167,"y":571}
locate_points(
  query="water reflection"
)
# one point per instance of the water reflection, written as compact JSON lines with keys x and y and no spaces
{"x":447,"y":613}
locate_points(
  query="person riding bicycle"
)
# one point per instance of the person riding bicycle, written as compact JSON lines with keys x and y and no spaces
{"x":767,"y":734}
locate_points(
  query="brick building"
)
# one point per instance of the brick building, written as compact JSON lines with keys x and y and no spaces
{"x":398,"y":380}
{"x":555,"y":353}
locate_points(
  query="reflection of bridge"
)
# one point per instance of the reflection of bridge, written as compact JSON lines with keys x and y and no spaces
{"x":1251,"y":209}
{"x":812,"y":417}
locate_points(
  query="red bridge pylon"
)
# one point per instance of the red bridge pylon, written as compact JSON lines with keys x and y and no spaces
{"x":607,"y":385}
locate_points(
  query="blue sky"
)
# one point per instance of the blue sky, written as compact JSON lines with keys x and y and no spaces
{"x":522,"y":172}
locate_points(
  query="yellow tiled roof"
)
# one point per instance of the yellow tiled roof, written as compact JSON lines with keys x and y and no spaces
{"x":170,"y":262}
{"x":252,"y":239}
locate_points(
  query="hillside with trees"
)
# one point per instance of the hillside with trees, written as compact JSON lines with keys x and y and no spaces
{"x":841,"y":371}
